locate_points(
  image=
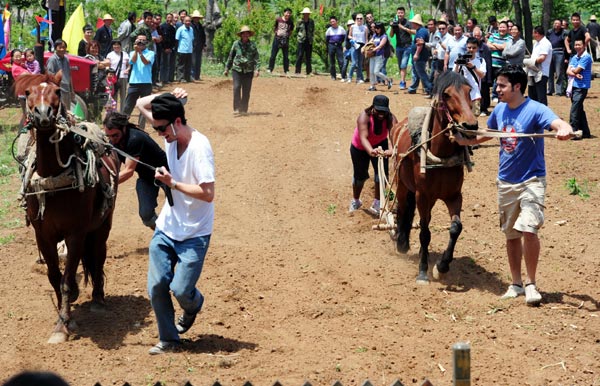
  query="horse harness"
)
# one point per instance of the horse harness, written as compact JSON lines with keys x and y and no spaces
{"x":422,"y":136}
{"x":80,"y":169}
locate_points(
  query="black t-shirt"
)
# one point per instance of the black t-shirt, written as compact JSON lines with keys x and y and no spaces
{"x":578,"y":34}
{"x":138,"y":144}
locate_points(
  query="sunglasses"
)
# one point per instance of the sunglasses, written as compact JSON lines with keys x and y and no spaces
{"x":359,"y":18}
{"x":163,"y":128}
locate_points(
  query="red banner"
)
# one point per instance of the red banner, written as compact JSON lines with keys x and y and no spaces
{"x":41,"y":20}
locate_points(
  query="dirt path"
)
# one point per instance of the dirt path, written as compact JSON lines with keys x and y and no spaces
{"x":297,"y":289}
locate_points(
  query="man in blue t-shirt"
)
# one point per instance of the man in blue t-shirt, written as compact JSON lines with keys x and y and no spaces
{"x":140,"y":76}
{"x":521,"y":174}
{"x":420,"y":55}
{"x":580,"y":68}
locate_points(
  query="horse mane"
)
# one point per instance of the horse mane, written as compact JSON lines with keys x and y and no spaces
{"x":447,"y":79}
{"x":25,"y":81}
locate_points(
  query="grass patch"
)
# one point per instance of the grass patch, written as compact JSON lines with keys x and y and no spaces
{"x":576,"y":189}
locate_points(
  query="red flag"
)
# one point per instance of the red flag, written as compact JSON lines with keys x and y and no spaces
{"x":41,"y":20}
{"x":321,"y":10}
{"x":99,"y":23}
{"x":248,"y":5}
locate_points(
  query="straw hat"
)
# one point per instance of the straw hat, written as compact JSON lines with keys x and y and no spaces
{"x":350,"y":22}
{"x":245,"y":28}
{"x":417,"y":19}
{"x":593,"y":18}
{"x":107,"y":17}
{"x":306,"y":10}
{"x":197,"y":13}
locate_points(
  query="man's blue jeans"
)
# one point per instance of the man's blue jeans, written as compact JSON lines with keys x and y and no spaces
{"x":403,"y":57}
{"x":420,"y":71}
{"x":174,"y":266}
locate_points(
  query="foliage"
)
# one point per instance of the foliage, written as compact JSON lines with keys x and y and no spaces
{"x":8,"y":166}
{"x":575,"y":189}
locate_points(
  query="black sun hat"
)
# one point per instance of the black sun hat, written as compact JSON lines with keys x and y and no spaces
{"x":381,"y":103}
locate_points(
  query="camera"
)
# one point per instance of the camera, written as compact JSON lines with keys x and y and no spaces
{"x":140,"y":43}
{"x":394,"y":23}
{"x":463,"y":59}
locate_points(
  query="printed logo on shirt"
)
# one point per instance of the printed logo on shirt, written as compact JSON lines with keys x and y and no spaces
{"x":509,"y":144}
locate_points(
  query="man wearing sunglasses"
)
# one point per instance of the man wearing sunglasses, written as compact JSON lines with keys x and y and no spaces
{"x":140,"y":80}
{"x":182,"y":236}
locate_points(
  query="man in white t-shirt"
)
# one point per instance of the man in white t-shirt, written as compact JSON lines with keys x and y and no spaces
{"x":119,"y":61}
{"x":473,"y":69}
{"x":183,"y":230}
{"x":538,"y":66}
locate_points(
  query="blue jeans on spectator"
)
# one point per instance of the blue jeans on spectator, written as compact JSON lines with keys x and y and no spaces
{"x":577,"y":117}
{"x":556,"y":69}
{"x":174,"y":266}
{"x":286,"y":58}
{"x":147,"y":193}
{"x":347,"y":63}
{"x":403,"y":57}
{"x":420,"y":73}
{"x":376,"y":70}
{"x":336,"y":56}
{"x":357,"y":63}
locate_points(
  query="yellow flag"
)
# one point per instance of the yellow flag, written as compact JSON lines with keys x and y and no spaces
{"x":73,"y":31}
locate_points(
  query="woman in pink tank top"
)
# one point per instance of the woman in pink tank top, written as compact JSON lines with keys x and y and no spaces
{"x":370,"y":139}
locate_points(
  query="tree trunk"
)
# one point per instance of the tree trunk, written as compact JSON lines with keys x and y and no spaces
{"x":547,"y":6}
{"x":451,"y":11}
{"x":528,"y":24}
{"x":518,"y":13}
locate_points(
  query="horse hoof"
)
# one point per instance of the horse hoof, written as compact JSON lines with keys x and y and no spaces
{"x":422,"y":279}
{"x":98,"y":308}
{"x":437,"y":275}
{"x":58,"y":337}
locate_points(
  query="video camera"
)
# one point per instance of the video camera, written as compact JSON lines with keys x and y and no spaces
{"x":463,"y":59}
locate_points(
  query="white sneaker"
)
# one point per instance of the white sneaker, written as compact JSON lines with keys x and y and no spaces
{"x":354,"y":205}
{"x":360,"y":81}
{"x":513,"y":291}
{"x":375,"y":207}
{"x":532,"y":296}
{"x":343,"y":80}
{"x":349,"y":80}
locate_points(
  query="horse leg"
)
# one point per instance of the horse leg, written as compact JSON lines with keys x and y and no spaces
{"x":404,"y":219}
{"x":425,"y":239}
{"x":69,"y":289}
{"x":48,"y":253}
{"x":443,"y":265}
{"x":94,"y":258}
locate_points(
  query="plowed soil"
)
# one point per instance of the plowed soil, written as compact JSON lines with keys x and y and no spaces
{"x":297,"y":289}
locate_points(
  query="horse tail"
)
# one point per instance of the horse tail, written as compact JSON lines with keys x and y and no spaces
{"x":405,"y":220}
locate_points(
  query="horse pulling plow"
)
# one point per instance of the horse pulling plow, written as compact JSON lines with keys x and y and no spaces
{"x":429,"y":166}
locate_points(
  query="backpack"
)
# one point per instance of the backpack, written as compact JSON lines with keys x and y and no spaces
{"x":387,"y":49}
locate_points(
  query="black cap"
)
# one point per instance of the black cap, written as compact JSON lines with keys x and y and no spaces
{"x":381,"y":103}
{"x":167,"y":106}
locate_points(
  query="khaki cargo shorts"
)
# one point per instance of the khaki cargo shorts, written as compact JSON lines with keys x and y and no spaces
{"x":521,"y":206}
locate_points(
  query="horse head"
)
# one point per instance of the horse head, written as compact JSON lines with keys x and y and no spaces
{"x":452,"y":93}
{"x":43,"y":98}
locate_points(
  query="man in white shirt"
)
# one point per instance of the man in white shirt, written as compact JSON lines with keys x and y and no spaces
{"x":183,"y":230}
{"x":473,"y":69}
{"x":456,"y":46}
{"x":538,"y":67}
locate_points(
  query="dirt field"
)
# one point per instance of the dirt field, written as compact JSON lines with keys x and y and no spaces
{"x":299,"y":290}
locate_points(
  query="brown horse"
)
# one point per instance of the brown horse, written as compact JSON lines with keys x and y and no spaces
{"x":451,"y":108}
{"x":70,"y":188}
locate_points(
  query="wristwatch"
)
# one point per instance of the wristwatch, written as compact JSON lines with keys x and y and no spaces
{"x":173,"y":184}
